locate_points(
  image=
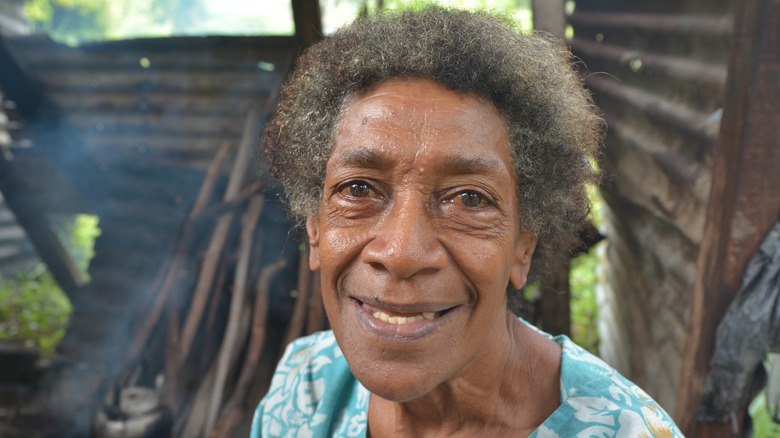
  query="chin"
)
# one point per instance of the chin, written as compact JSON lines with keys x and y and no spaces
{"x":394,"y":382}
{"x":395,"y":392}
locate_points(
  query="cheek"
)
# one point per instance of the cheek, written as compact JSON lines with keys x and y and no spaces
{"x":487,"y":263}
{"x":339,"y":247}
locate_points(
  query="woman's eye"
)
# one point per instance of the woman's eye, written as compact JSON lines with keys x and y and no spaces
{"x":472,"y":199}
{"x":358,"y":190}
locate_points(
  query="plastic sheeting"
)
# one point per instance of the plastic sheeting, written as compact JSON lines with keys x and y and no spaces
{"x":749,"y":330}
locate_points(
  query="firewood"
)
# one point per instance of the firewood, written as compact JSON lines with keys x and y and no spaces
{"x":298,"y":319}
{"x":208,"y":397}
{"x":180,"y":254}
{"x":208,"y":272}
{"x":204,"y":195}
{"x":218,"y":239}
{"x":177,"y":394}
{"x":210,"y":214}
{"x":233,"y":410}
{"x":248,"y":226}
{"x":190,"y":424}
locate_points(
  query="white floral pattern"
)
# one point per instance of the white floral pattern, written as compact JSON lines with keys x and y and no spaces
{"x":313,"y":394}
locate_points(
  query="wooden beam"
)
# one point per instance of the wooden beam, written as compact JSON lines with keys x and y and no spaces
{"x":549,"y":16}
{"x":31,"y":217}
{"x":308,"y":21}
{"x":744,"y":199}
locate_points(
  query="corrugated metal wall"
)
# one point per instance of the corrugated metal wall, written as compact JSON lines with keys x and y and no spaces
{"x":16,"y":252}
{"x":152,"y":113}
{"x":658,"y":71}
{"x":168,"y":100}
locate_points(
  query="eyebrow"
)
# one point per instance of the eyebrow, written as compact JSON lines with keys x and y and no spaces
{"x":361,"y":158}
{"x":453,"y":164}
{"x":461,"y":165}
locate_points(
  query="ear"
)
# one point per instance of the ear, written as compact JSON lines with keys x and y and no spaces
{"x":313,"y":231}
{"x":521,"y":260}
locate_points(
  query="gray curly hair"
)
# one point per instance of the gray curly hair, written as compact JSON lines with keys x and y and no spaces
{"x":553,"y":126}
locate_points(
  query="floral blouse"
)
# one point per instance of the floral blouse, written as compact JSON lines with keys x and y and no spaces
{"x":314,"y":394}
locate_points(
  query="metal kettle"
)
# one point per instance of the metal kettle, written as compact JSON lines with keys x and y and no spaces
{"x":130,"y":411}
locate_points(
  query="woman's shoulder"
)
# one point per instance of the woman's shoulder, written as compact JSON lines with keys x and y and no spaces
{"x":314,"y":352}
{"x":311,"y":389}
{"x":597,"y":399}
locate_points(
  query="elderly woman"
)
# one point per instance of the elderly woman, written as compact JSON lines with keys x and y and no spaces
{"x":436,"y":157}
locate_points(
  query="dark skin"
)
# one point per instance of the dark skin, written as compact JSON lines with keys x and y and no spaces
{"x":517,"y":411}
{"x":417,"y":235}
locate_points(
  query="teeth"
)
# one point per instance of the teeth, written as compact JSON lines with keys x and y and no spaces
{"x":402,"y":319}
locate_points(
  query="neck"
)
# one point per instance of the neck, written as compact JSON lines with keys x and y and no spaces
{"x":509,"y":387}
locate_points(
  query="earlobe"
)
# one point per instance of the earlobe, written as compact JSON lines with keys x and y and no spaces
{"x":521,"y":264}
{"x":313,"y":232}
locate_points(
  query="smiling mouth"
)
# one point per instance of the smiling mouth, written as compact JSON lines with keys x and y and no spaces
{"x":403,"y":319}
{"x":401,"y":323}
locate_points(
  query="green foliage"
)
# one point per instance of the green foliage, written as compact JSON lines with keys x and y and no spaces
{"x":500,"y":5}
{"x":158,"y":18}
{"x":763,"y":426}
{"x":181,"y":14}
{"x":582,"y":306}
{"x":520,"y":10}
{"x":79,"y":238}
{"x":39,"y":11}
{"x":583,"y":279}
{"x":70,"y":21}
{"x":33,"y":309}
{"x":76,"y":21}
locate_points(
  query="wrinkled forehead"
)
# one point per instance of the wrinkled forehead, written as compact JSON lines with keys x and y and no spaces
{"x":422,"y":107}
{"x":420,"y":123}
{"x":420,"y":90}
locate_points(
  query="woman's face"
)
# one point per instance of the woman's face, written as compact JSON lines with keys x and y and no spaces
{"x":417,"y":235}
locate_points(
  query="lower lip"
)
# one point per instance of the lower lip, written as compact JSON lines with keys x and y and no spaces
{"x":411,"y":331}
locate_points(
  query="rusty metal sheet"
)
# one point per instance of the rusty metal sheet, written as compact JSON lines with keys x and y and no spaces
{"x":708,"y":78}
{"x":159,"y":103}
{"x":257,"y":83}
{"x":658,"y":72}
{"x":713,"y":26}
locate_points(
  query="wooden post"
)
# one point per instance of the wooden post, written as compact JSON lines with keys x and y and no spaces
{"x":549,"y":16}
{"x":308,"y":21}
{"x":556,"y":312}
{"x":744,"y":199}
{"x":32,"y":218}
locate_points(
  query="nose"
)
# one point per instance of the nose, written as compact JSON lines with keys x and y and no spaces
{"x":406,"y":242}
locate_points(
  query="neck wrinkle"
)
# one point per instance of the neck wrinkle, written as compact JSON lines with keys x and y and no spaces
{"x":501,"y":373}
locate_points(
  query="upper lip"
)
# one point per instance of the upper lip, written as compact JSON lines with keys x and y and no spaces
{"x":407,"y":308}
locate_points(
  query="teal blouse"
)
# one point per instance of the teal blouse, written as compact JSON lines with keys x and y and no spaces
{"x":314,"y":394}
